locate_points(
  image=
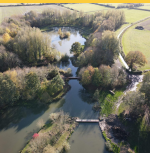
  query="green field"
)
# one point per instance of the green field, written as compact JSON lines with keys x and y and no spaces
{"x":135,"y":15}
{"x":86,"y":7}
{"x":130,"y":14}
{"x":9,"y":11}
{"x":137,"y":40}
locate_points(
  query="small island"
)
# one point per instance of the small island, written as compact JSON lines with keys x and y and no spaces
{"x":53,"y":137}
{"x":63,"y":35}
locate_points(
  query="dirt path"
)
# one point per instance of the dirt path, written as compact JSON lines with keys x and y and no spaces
{"x":135,"y":80}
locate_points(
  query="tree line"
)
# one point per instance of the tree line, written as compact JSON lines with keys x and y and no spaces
{"x":97,"y":21}
{"x":100,"y":48}
{"x":30,"y":46}
{"x":103,"y":77}
{"x":42,"y":83}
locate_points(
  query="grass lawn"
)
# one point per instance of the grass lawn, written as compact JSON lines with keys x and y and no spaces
{"x":108,"y":101}
{"x":86,"y":7}
{"x":9,"y":11}
{"x":137,"y":40}
{"x":135,"y":15}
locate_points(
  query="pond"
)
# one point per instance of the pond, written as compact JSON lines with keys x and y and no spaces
{"x":18,"y":124}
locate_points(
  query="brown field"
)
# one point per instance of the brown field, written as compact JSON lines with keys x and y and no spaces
{"x":145,"y":24}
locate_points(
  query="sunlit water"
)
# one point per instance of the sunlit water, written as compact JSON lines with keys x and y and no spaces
{"x":18,"y":124}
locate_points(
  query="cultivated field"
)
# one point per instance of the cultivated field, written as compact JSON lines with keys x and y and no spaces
{"x":9,"y":11}
{"x":137,"y":40}
{"x":145,"y":24}
{"x":86,"y":7}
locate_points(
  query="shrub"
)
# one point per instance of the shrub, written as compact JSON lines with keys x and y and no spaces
{"x":66,"y":146}
{"x":49,"y":149}
{"x":97,"y":78}
{"x":96,"y":95}
{"x":32,"y":84}
{"x":108,"y":146}
{"x":8,"y":59}
{"x":6,"y":38}
{"x":86,"y":79}
{"x":76,"y":48}
{"x":55,"y":85}
{"x":68,"y":72}
{"x":31,"y":45}
{"x":8,"y":90}
{"x":54,"y":116}
{"x":64,"y":58}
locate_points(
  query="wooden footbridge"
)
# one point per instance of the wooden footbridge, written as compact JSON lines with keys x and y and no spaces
{"x":72,"y":78}
{"x":87,"y":120}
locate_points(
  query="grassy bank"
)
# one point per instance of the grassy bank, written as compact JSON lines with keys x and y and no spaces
{"x":108,"y":101}
{"x":111,"y":146}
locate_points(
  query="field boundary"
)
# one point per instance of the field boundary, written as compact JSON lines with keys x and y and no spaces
{"x":104,"y":5}
{"x":29,"y":4}
{"x":141,"y":9}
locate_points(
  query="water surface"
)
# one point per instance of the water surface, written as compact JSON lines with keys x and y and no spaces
{"x":18,"y":124}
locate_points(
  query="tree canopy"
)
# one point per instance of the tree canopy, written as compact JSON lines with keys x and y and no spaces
{"x":76,"y":48}
{"x":135,"y":58}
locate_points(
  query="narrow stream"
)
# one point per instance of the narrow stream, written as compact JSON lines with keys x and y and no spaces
{"x":18,"y":124}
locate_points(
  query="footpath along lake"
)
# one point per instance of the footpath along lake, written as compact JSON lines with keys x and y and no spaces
{"x":18,"y":124}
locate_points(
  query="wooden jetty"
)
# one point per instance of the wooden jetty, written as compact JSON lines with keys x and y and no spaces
{"x":87,"y":120}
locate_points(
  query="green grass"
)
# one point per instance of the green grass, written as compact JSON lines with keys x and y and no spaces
{"x":9,"y":11}
{"x":121,"y":108}
{"x":135,"y":15}
{"x":86,"y":7}
{"x":115,"y":148}
{"x":137,"y":40}
{"x":108,"y":100}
